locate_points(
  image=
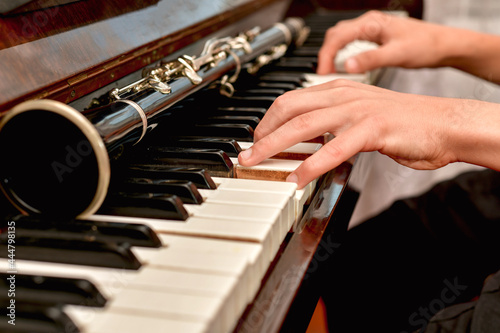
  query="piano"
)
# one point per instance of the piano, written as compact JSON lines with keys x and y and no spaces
{"x":123,"y":205}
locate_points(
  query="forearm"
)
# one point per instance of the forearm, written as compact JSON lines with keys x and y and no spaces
{"x":473,"y":52}
{"x":474,"y":133}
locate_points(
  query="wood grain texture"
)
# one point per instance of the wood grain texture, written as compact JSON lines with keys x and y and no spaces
{"x":270,"y":175}
{"x":22,"y":6}
{"x":80,"y":49}
{"x":44,"y":22}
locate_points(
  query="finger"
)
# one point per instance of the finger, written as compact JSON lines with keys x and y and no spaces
{"x":340,"y":149}
{"x":335,"y":39}
{"x":366,"y":27}
{"x":289,"y":106}
{"x":382,"y":57}
{"x":298,"y":129}
{"x":302,"y":101}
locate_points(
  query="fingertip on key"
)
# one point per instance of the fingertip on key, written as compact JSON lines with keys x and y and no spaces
{"x":244,"y":156}
{"x":351,"y":65}
{"x":292,"y":178}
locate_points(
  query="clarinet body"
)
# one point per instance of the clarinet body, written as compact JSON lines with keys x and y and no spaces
{"x":64,"y":168}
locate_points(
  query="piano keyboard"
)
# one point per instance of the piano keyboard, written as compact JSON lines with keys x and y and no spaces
{"x":204,"y":262}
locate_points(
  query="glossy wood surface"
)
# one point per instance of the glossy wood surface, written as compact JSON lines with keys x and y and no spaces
{"x":65,"y":52}
{"x":13,"y":7}
{"x":35,"y":24}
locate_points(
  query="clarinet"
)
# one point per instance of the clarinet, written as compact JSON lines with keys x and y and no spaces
{"x":59,"y":157}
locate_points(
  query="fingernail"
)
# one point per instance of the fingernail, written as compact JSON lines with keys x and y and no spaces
{"x":351,"y":65}
{"x":245,"y":155}
{"x":292,"y":178}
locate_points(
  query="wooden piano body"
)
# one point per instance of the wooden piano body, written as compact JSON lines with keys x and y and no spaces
{"x":80,"y":50}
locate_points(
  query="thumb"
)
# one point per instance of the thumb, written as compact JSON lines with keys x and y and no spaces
{"x":366,"y":61}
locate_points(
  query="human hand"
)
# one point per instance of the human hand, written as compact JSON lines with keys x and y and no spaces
{"x":421,"y":132}
{"x":404,"y":42}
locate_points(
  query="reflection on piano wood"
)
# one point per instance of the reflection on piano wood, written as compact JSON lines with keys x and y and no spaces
{"x":180,"y":242}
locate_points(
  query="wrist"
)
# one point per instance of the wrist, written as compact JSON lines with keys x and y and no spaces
{"x":456,"y":47}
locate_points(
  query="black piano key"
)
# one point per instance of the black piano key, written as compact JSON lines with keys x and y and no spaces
{"x":254,"y":82}
{"x":297,"y":81}
{"x":47,"y":290}
{"x":204,"y":129}
{"x":89,"y":253}
{"x":80,"y":230}
{"x":241,"y":111}
{"x":318,"y":31}
{"x":315,"y":40}
{"x":296,"y":67}
{"x":259,"y":92}
{"x":185,"y":190}
{"x":200,"y":177}
{"x":284,"y":74}
{"x":299,"y":67}
{"x":277,"y":85}
{"x":229,"y":146}
{"x":240,"y":132}
{"x":31,"y":318}
{"x":295,"y":59}
{"x":148,"y":205}
{"x":306,"y":51}
{"x":251,"y":121}
{"x":247,"y":101}
{"x":215,"y":161}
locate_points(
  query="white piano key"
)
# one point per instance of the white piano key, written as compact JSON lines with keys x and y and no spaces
{"x":238,"y":267}
{"x":115,"y":283}
{"x":252,"y":251}
{"x":225,"y":264}
{"x":216,"y":302}
{"x":267,"y":215}
{"x":171,"y":305}
{"x":111,"y":281}
{"x":192,"y":261}
{"x":255,"y":185}
{"x":270,"y":169}
{"x":209,"y":256}
{"x":258,"y":263}
{"x":246,"y":231}
{"x":194,"y":284}
{"x":260,"y":186}
{"x":96,"y":321}
{"x":270,"y":225}
{"x":301,"y":197}
{"x":316,"y":79}
{"x":253,"y":198}
{"x":299,"y":151}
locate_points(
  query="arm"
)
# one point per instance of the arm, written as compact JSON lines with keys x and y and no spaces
{"x":421,"y":132}
{"x":412,"y":43}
